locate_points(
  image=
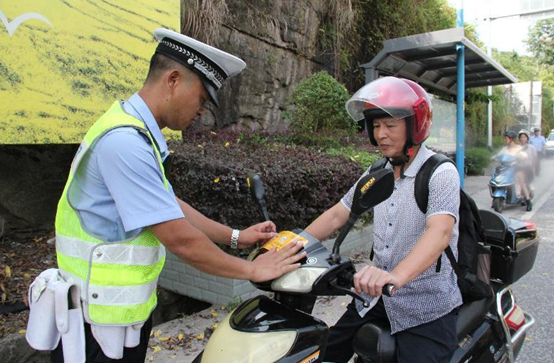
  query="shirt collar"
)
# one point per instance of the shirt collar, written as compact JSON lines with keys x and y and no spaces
{"x":422,"y":155}
{"x":136,"y":107}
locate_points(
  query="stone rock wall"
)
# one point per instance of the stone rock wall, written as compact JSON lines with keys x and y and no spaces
{"x":278,"y":42}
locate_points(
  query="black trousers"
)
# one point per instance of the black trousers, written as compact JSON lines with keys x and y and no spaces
{"x":94,"y":353}
{"x":433,"y":342}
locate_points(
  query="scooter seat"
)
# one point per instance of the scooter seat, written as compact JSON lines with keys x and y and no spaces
{"x":374,"y":343}
{"x":470,"y":314}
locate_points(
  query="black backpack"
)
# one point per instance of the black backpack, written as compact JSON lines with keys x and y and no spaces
{"x":473,"y":265}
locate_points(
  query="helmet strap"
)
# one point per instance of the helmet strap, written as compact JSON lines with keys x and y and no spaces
{"x":402,"y":160}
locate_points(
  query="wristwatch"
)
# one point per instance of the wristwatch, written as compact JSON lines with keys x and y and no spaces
{"x":235,"y":239}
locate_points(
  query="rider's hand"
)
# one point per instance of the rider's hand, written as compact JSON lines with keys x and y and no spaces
{"x":260,"y":232}
{"x":273,"y":264}
{"x":371,"y":280}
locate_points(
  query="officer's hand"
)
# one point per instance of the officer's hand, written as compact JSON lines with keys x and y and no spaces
{"x":371,"y":280}
{"x":260,"y":232}
{"x":273,"y":264}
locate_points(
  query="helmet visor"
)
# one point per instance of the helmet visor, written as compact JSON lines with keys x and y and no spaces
{"x":388,"y":94}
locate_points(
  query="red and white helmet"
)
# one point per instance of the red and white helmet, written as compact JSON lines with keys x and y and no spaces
{"x":394,"y":97}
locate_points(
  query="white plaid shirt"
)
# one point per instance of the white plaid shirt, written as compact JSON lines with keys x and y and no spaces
{"x":398,"y":226}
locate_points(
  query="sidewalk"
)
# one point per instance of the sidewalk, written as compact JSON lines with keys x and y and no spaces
{"x":183,"y":339}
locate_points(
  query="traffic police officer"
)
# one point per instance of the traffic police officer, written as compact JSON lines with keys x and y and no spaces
{"x":118,"y":211}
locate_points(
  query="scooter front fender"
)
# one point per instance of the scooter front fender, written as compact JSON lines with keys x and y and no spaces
{"x":498,"y":192}
{"x":263,"y":330}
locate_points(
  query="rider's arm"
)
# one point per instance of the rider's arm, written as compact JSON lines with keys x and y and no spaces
{"x":427,"y":250}
{"x":425,"y":253}
{"x":328,"y":222}
{"x":442,"y":211}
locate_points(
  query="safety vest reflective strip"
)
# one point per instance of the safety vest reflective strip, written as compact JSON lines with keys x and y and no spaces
{"x":118,"y":279}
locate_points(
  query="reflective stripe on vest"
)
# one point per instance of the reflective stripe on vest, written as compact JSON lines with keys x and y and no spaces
{"x":118,"y":279}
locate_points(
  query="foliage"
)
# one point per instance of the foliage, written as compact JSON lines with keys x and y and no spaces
{"x":526,"y":69}
{"x":363,"y":157}
{"x":541,"y":41}
{"x":209,"y":172}
{"x":318,"y":106}
{"x":477,"y":158}
{"x":377,"y":21}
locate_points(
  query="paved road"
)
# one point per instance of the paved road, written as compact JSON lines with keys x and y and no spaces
{"x":534,"y":292}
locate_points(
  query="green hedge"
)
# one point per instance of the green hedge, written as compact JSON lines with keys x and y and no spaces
{"x":209,"y":172}
{"x":317,"y":106}
{"x":477,"y":159}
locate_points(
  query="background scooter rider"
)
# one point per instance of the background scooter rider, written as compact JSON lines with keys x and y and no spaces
{"x":529,"y":165}
{"x":512,"y":148}
{"x":118,"y":210}
{"x":407,"y":243}
{"x":539,"y":142}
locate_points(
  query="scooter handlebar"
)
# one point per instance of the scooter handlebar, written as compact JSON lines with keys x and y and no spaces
{"x":348,"y":279}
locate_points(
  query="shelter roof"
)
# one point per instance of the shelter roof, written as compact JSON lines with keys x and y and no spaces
{"x":430,"y":60}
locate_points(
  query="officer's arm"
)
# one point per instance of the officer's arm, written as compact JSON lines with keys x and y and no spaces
{"x":428,"y":249}
{"x":220,"y":233}
{"x":217,"y":232}
{"x":328,"y":222}
{"x":191,"y":245}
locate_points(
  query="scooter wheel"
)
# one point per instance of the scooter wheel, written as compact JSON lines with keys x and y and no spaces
{"x":498,"y":204}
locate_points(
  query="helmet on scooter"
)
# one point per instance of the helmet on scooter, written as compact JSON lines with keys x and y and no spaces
{"x":397,"y":98}
{"x":510,"y":134}
{"x":524,"y":132}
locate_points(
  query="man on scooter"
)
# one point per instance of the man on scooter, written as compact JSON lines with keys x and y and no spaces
{"x":407,"y":243}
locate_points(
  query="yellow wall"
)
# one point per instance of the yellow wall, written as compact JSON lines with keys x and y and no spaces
{"x":62,"y":71}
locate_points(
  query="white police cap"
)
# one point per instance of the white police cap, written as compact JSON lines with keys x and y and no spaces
{"x":211,"y":64}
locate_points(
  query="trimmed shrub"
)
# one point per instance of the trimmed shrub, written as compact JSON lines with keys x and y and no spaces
{"x":209,"y":172}
{"x":318,"y":106}
{"x":477,"y":159}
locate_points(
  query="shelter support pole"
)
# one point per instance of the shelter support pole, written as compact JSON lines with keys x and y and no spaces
{"x":460,"y":98}
{"x":460,"y":118}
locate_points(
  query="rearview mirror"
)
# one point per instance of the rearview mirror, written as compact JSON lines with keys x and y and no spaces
{"x":370,"y":190}
{"x":257,"y":191}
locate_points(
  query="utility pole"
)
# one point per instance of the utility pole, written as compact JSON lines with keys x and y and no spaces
{"x":489,"y":88}
{"x":530,"y":120}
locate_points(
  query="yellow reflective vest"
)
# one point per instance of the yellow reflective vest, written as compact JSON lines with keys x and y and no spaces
{"x":117,"y":279}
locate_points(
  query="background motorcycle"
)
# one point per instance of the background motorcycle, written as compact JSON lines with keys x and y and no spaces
{"x":503,"y":183}
{"x":281,"y":329}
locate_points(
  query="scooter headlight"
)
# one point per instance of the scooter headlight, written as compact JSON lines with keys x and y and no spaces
{"x":300,"y":280}
{"x":499,"y":179}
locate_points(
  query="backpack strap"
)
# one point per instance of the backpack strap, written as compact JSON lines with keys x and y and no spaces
{"x":421,"y":193}
{"x":423,"y":178}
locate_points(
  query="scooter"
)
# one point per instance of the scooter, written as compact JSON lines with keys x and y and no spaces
{"x":503,"y":183}
{"x":281,"y":329}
